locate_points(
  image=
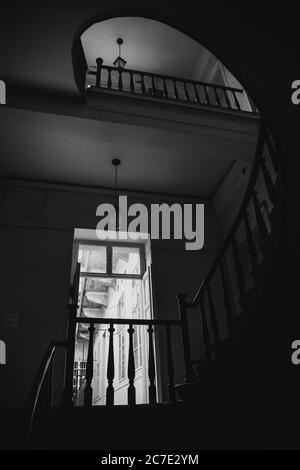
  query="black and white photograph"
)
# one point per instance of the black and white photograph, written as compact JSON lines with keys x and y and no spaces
{"x":149,"y":204}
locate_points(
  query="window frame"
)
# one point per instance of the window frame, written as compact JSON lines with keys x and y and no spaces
{"x":109,"y":268}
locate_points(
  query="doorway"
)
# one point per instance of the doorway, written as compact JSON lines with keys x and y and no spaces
{"x":114,"y":283}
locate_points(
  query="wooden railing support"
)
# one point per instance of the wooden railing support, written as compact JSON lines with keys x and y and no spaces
{"x":189,"y":373}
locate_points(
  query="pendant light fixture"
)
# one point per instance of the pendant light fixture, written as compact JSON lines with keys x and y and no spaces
{"x":120,"y":63}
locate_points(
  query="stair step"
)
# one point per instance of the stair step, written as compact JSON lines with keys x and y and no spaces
{"x":163,"y":426}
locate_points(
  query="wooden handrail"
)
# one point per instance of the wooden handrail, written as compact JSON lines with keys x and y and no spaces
{"x":167,"y":77}
{"x":39,"y":380}
{"x":239,"y":217}
{"x":127,"y":321}
{"x":173,"y":89}
{"x":266,"y":174}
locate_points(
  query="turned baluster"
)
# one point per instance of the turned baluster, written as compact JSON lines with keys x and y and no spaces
{"x":250,"y":242}
{"x":189,"y":374}
{"x":143,"y":84}
{"x":205,"y":332}
{"x":268,"y":181}
{"x":206,"y":95}
{"x":225,"y":292}
{"x":131,"y":82}
{"x":197,"y":96}
{"x":153,"y":86}
{"x":165,"y":89}
{"x":170,"y":366}
{"x":99,"y":63}
{"x":120,"y":82}
{"x":213,"y":315}
{"x":109,"y":79}
{"x":175,"y":90}
{"x":110,"y":368}
{"x":151,"y":368}
{"x":217,"y":96}
{"x":261,"y":224}
{"x":273,"y":154}
{"x":131,"y":368}
{"x":236,"y":100}
{"x":186,"y":93}
{"x":238,"y":267}
{"x":88,"y":391}
{"x":227,"y":98}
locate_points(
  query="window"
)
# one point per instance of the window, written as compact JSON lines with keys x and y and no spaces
{"x":137,"y":338}
{"x":122,"y":354}
{"x":126,"y":260}
{"x":110,"y":260}
{"x":92,"y":259}
{"x":121,"y":309}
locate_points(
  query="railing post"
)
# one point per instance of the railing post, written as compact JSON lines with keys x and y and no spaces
{"x":225,"y":292}
{"x":268,"y":181}
{"x":217,"y":96}
{"x":120,"y":82}
{"x":143,"y":88}
{"x":238,"y":106}
{"x":205,"y":332}
{"x":170,"y":366}
{"x":151,"y":368}
{"x":99,"y":63}
{"x":250,"y":242}
{"x":238,"y":267}
{"x":88,"y":391}
{"x":131,"y":82}
{"x":175,"y":90}
{"x":213,"y":315}
{"x":131,"y":368}
{"x":186,"y":93}
{"x":68,"y":388}
{"x":197,"y":96}
{"x":227,"y":99}
{"x":261,"y":224}
{"x":189,"y":374}
{"x":110,"y":368}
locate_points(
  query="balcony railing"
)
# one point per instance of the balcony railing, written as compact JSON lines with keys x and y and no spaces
{"x":85,"y":393}
{"x":171,"y":89}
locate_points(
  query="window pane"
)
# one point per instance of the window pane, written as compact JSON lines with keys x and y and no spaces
{"x":96,"y":297}
{"x":126,"y":260}
{"x":92,"y":258}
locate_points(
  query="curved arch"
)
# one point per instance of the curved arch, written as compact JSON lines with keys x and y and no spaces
{"x":78,"y":56}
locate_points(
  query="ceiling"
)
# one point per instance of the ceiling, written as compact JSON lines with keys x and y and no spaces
{"x":44,"y":146}
{"x":73,"y":150}
{"x":148,"y":45}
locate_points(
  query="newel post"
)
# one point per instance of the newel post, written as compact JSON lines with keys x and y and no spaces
{"x":68,"y":388}
{"x":99,"y":63}
{"x":182,"y":304}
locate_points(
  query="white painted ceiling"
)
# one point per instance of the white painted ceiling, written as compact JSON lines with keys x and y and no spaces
{"x":149,"y":45}
{"x":64,"y":149}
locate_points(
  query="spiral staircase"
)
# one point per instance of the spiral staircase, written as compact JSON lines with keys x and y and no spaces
{"x":226,"y":304}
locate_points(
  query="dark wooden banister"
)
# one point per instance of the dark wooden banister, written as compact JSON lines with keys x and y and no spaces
{"x":127,"y":321}
{"x":40,"y":379}
{"x":86,"y":387}
{"x":239,"y":217}
{"x":173,"y":89}
{"x":167,"y":77}
{"x":266,"y":174}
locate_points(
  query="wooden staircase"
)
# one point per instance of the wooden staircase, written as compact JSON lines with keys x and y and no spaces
{"x":242,"y":283}
{"x":191,"y":422}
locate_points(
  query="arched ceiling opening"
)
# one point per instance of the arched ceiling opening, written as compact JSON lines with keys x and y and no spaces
{"x":153,"y":47}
